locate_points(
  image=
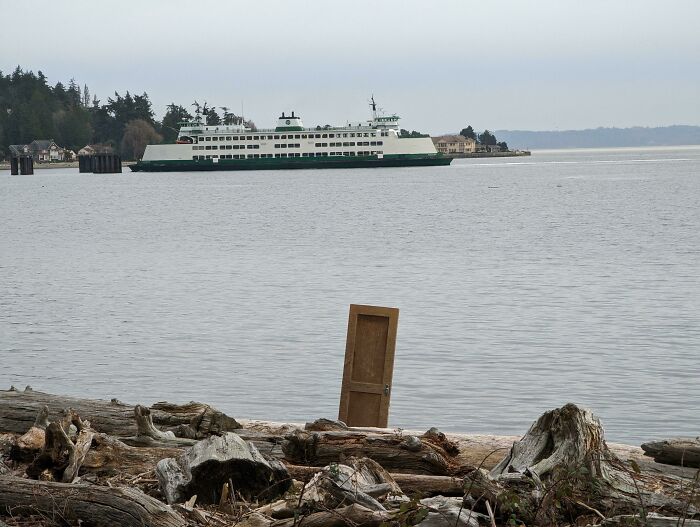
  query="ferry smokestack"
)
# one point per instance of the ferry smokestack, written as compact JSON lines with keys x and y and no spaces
{"x":292,"y":113}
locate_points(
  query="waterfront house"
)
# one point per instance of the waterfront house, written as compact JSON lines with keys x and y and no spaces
{"x":454,"y":144}
{"x":46,"y":150}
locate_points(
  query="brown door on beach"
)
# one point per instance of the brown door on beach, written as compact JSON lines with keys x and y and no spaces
{"x":369,"y":366}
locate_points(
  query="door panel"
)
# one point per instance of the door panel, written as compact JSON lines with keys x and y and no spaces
{"x":369,"y":366}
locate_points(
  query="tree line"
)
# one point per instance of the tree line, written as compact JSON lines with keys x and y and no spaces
{"x":31,"y":108}
{"x":485,"y":138}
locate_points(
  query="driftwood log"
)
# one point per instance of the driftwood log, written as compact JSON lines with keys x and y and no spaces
{"x":18,"y":411}
{"x":93,"y":505}
{"x":397,"y":453}
{"x":410,"y":484}
{"x":681,"y":451}
{"x":342,"y":517}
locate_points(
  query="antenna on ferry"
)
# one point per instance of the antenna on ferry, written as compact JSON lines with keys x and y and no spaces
{"x":373,"y":105}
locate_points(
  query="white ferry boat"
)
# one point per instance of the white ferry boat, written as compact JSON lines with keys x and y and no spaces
{"x":374,"y":143}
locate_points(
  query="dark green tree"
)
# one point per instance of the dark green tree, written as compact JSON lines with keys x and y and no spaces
{"x":170,"y":125}
{"x":468,"y":133}
{"x":487,"y":138}
{"x":503,"y":146}
{"x":213,"y":117}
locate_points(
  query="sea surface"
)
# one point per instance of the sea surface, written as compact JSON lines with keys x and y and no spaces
{"x":523,"y":284}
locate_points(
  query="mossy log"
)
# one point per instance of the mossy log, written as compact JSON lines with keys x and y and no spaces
{"x":92,"y":506}
{"x":18,"y":411}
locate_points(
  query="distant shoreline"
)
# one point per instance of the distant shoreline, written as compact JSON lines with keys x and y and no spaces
{"x":59,"y":164}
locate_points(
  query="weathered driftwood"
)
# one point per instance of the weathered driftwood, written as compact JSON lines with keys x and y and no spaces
{"x":32,"y":442}
{"x":325,"y":425}
{"x":148,"y":435}
{"x":398,"y":453}
{"x":206,"y":466}
{"x":681,"y":451}
{"x":342,"y":517}
{"x":109,"y":455}
{"x":410,"y":484}
{"x":61,"y":455}
{"x":651,"y":520}
{"x":18,"y":411}
{"x":93,"y":505}
{"x":450,"y":512}
{"x":358,"y":480}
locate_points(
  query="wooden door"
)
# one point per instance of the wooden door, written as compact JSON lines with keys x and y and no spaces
{"x":369,"y":366}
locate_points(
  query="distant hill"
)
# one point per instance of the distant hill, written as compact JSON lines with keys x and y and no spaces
{"x":602,"y":137}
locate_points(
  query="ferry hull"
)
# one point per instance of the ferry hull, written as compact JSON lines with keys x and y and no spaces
{"x":290,"y":163}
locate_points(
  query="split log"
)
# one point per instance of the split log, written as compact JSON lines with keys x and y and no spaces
{"x":681,"y":451}
{"x":351,"y":515}
{"x":206,"y":466}
{"x":92,"y":505}
{"x":61,"y":455}
{"x":18,"y":411}
{"x":405,"y":454}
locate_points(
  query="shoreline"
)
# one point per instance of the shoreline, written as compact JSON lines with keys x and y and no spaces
{"x":178,"y":465}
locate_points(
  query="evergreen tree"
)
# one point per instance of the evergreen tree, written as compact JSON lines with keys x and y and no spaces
{"x":213,"y":117}
{"x":170,"y":126}
{"x":468,"y":133}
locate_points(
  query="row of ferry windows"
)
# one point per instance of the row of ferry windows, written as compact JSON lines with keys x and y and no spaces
{"x":290,"y":136}
{"x":295,"y":154}
{"x":289,"y":145}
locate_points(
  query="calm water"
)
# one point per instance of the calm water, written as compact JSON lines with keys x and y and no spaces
{"x":523,"y":284}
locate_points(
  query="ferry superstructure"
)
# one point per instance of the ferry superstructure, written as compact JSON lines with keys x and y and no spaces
{"x":375,"y":143}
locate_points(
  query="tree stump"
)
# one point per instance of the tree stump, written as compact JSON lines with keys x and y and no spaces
{"x":206,"y":466}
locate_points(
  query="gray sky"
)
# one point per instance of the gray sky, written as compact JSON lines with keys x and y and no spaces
{"x":539,"y":65}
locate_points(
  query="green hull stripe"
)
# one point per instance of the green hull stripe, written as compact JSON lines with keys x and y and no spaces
{"x":395,"y":160}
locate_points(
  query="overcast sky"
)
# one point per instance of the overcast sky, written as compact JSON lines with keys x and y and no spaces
{"x":510,"y":64}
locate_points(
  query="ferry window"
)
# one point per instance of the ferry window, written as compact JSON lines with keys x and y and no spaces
{"x":276,"y":145}
{"x":208,"y":147}
{"x":214,"y":147}
{"x":331,"y":135}
{"x":324,"y":135}
{"x":250,"y":137}
{"x":277,"y":137}
{"x":269,"y":137}
{"x":346,"y":143}
{"x":278,"y":155}
{"x":256,"y":146}
{"x":208,"y":157}
{"x":352,"y":135}
{"x":208,"y":138}
{"x":317,"y":136}
{"x":324,"y":154}
{"x":228,"y":138}
{"x":297,"y":136}
{"x":380,"y":143}
{"x":317,"y":145}
{"x":283,"y":137}
{"x":214,"y":138}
